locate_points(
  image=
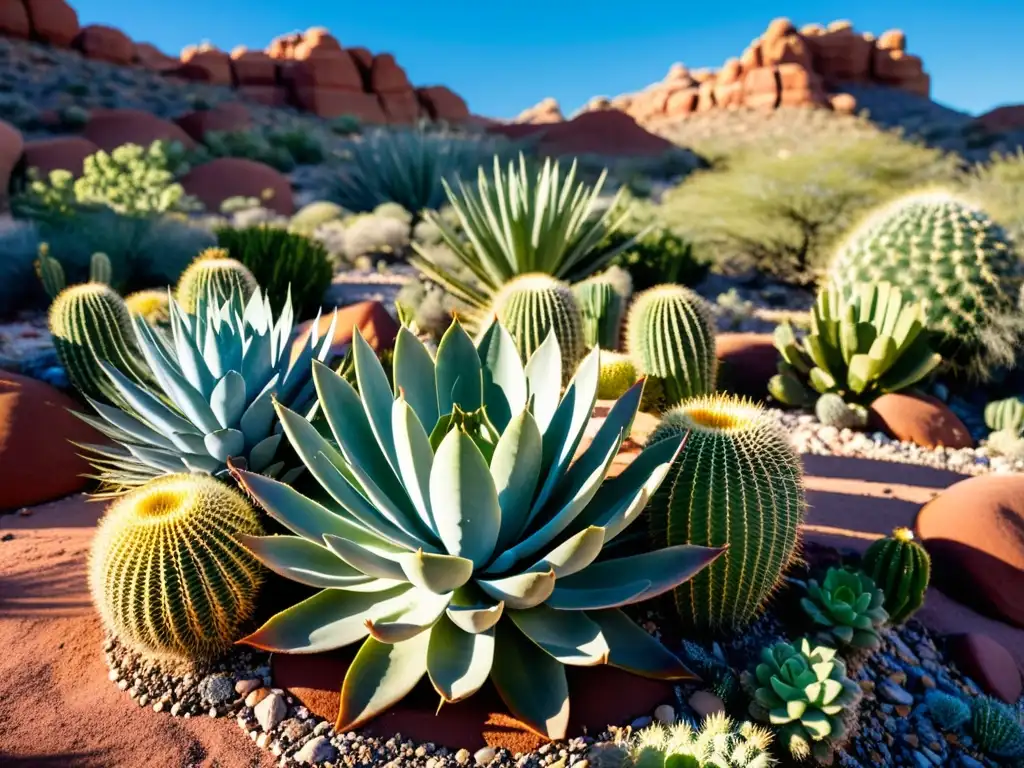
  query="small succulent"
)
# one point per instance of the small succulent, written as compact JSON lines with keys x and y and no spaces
{"x":997,"y":728}
{"x":717,"y":676}
{"x":901,"y":568}
{"x":833,"y":411}
{"x":1007,"y":414}
{"x":718,"y":743}
{"x":849,"y":606}
{"x":948,"y":712}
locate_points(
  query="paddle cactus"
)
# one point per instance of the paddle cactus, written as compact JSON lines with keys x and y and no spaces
{"x":901,"y":568}
{"x":459,"y":538}
{"x":213,"y":270}
{"x":948,"y":712}
{"x":91,"y":326}
{"x":603,"y":309}
{"x":804,"y":693}
{"x":1006,"y":415}
{"x":947,"y":254}
{"x":738,"y":483}
{"x":671,"y":336}
{"x":833,"y":411}
{"x":858,"y":348}
{"x":718,"y":743}
{"x":997,"y":728}
{"x":166,"y":572}
{"x":849,"y":606}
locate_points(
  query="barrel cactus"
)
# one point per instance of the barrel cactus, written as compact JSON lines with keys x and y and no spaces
{"x":603,"y":309}
{"x":718,"y":743}
{"x":213,"y":270}
{"x":617,"y":375}
{"x":460,"y":541}
{"x":806,"y":696}
{"x":671,"y":336}
{"x":833,"y":411}
{"x":91,"y":325}
{"x":166,"y":572}
{"x":531,"y":306}
{"x":997,"y":728}
{"x":901,"y":568}
{"x":737,"y":483}
{"x":153,"y":306}
{"x":951,"y":257}
{"x":1006,"y":415}
{"x":849,"y":606}
{"x":948,"y":712}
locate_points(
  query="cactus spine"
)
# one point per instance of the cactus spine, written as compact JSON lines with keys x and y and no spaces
{"x":671,"y":335}
{"x":738,"y":483}
{"x":166,"y":572}
{"x":90,"y":322}
{"x":213,"y":270}
{"x":901,"y":568}
{"x":532,"y":305}
{"x":602,"y":308}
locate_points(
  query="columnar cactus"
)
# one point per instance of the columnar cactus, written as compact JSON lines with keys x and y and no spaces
{"x":166,"y":572}
{"x":671,"y":335}
{"x":901,"y":568}
{"x":100,"y":270}
{"x":90,"y":323}
{"x":530,"y":306}
{"x":849,"y":606}
{"x":50,"y":272}
{"x":214,"y":270}
{"x":737,"y":483}
{"x":1005,"y":415}
{"x":952,"y":258}
{"x":602,"y":308}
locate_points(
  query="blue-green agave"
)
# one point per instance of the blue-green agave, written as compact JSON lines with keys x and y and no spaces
{"x":219,"y":373}
{"x":461,"y":541}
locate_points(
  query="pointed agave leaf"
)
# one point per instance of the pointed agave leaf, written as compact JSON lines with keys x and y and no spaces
{"x":475,"y":618}
{"x":633,"y":650}
{"x":504,"y":379}
{"x":439,"y":574}
{"x":544,"y":380}
{"x":379,"y":677}
{"x":262,"y":454}
{"x":515,"y":470}
{"x":575,"y":554}
{"x":129,"y":425}
{"x":464,"y":500}
{"x":149,"y":407}
{"x":258,"y":418}
{"x":223,"y":444}
{"x":414,"y":377}
{"x":415,"y":459}
{"x":458,"y":662}
{"x":458,"y":372}
{"x":913,"y":366}
{"x":419,"y":615}
{"x":597,"y":598}
{"x":522,"y":591}
{"x":302,"y":561}
{"x":375,"y":393}
{"x":379,"y":566}
{"x":568,"y":636}
{"x":542,"y":708}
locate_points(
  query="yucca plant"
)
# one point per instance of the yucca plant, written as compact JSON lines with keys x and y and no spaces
{"x":859,"y":349}
{"x":219,"y":376}
{"x":519,"y":222}
{"x":461,"y":541}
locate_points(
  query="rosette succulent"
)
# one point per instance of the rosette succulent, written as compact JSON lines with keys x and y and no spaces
{"x":459,"y":540}
{"x":849,"y":606}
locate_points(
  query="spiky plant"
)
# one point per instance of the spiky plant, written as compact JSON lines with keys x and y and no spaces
{"x":901,"y":568}
{"x":671,"y":336}
{"x":91,"y":327}
{"x":534,"y":305}
{"x":803,"y":692}
{"x":516,"y":223}
{"x":603,"y":309}
{"x":849,"y":607}
{"x":860,"y":347}
{"x":214,"y":270}
{"x":166,"y":572}
{"x":997,"y":728}
{"x":617,"y":375}
{"x":51,"y":273}
{"x":718,"y":743}
{"x":833,"y":411}
{"x":218,"y":378}
{"x":948,"y":712}
{"x":948,"y":255}
{"x":737,"y":484}
{"x":153,"y":306}
{"x":100,"y":270}
{"x":460,"y":541}
{"x":715,"y":673}
{"x":1006,"y":415}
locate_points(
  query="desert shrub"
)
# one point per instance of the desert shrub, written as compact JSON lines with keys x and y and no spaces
{"x":999,"y":186}
{"x":302,"y":145}
{"x":247,"y":144}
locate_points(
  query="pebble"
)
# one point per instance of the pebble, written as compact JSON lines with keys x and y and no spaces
{"x":484,"y":756}
{"x":270,"y":711}
{"x":890,"y":691}
{"x":317,"y":750}
{"x":705,"y":703}
{"x":665,"y":714}
{"x":462,"y":757}
{"x":640,"y":722}
{"x":255,"y":697}
{"x":245,"y":687}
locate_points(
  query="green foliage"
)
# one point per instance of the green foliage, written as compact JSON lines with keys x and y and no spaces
{"x":516,"y":223}
{"x":901,"y":568}
{"x":219,"y":377}
{"x":193,"y":605}
{"x":948,"y":712}
{"x":999,"y":186}
{"x":214,"y":273}
{"x":90,"y":324}
{"x":457,"y":541}
{"x":738,"y":483}
{"x":849,"y":606}
{"x":346,"y":125}
{"x":804,"y":693}
{"x":603,"y":309}
{"x":860,"y":347}
{"x":282,"y":262}
{"x":280,"y":149}
{"x":833,"y":411}
{"x":718,"y":743}
{"x":656,"y":255}
{"x":997,"y":728}
{"x":373,"y":235}
{"x":670,"y":334}
{"x":950,"y":257}
{"x":1006,"y":415}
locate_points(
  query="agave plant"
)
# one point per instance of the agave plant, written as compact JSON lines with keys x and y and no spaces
{"x":462,"y":542}
{"x":220,"y":374}
{"x":520,"y":223}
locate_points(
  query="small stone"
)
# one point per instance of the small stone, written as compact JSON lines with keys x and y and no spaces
{"x":270,"y":711}
{"x":868,"y":686}
{"x":175,"y":708}
{"x":245,"y":687}
{"x":216,"y":689}
{"x":898,"y":677}
{"x":317,"y":750}
{"x":158,"y":707}
{"x":484,"y":756}
{"x":705,"y":703}
{"x":665,"y":714}
{"x":255,"y":697}
{"x":262,"y":740}
{"x":212,"y":712}
{"x":911,"y":739}
{"x":143,"y":700}
{"x":903,"y":710}
{"x":927,"y":681}
{"x":462,"y":757}
{"x":112,"y":675}
{"x":894,"y":693}
{"x":640,"y":722}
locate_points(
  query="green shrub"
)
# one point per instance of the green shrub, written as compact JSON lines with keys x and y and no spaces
{"x":346,"y":125}
{"x":302,"y":145}
{"x":998,"y":186}
{"x":309,"y":217}
{"x":250,"y":145}
{"x":657,"y":256}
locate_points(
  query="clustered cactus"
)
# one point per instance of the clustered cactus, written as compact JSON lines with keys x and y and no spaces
{"x":848,"y":606}
{"x":166,"y":571}
{"x":738,"y":483}
{"x":901,"y":568}
{"x":718,"y":743}
{"x":51,"y":272}
{"x":1006,"y":415}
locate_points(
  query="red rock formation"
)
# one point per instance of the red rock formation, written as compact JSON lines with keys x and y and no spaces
{"x":102,"y":43}
{"x":217,"y":63}
{"x":14,"y":19}
{"x":227,"y":177}
{"x":546,"y":111}
{"x":252,"y":67}
{"x":53,"y":21}
{"x":442,"y":103}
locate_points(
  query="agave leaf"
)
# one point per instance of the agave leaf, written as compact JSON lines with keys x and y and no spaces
{"x":521,"y":591}
{"x":189,"y":356}
{"x":913,"y":366}
{"x":632,"y":649}
{"x":597,"y":598}
{"x":262,"y":454}
{"x":515,"y":470}
{"x":822,"y":381}
{"x":133,"y":428}
{"x":464,"y":500}
{"x":415,"y":458}
{"x":504,"y":380}
{"x":379,"y":566}
{"x":440,"y":574}
{"x":542,"y":708}
{"x":379,"y":677}
{"x":375,"y":394}
{"x":458,"y":662}
{"x":223,"y":444}
{"x":574,"y":554}
{"x":568,"y":636}
{"x":544,"y":380}
{"x":414,"y":376}
{"x":259,"y":416}
{"x":302,"y":561}
{"x":419,"y":615}
{"x":330,"y":619}
{"x":458,"y":372}
{"x":475,"y":618}
{"x":153,"y":410}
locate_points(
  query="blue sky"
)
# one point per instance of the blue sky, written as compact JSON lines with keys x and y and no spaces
{"x":505,"y":56}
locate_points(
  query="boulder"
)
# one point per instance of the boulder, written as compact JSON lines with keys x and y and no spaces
{"x":728,"y":85}
{"x":841,"y":55}
{"x":401,"y":108}
{"x":110,"y":128}
{"x":706,"y":96}
{"x":988,"y":663}
{"x":227,"y":177}
{"x":11,"y":146}
{"x":974,"y":532}
{"x":746,"y":361}
{"x":252,"y":67}
{"x":800,"y":87}
{"x":216,"y":62}
{"x":751,"y":57}
{"x":441,"y":103}
{"x":761,"y":88}
{"x":269,"y":95}
{"x":53,"y":22}
{"x":326,"y":69}
{"x":231,"y":116}
{"x":103,"y":43}
{"x":682,"y":102}
{"x":334,"y":102}
{"x":315,"y":40}
{"x":843,"y":103}
{"x":370,"y":317}
{"x":892,"y":40}
{"x":545,"y":111}
{"x":782,"y":44}
{"x":36,"y":434}
{"x":66,"y":153}
{"x":14,"y":19}
{"x":149,"y":56}
{"x":387,"y":77}
{"x":603,"y":133}
{"x":919,"y":419}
